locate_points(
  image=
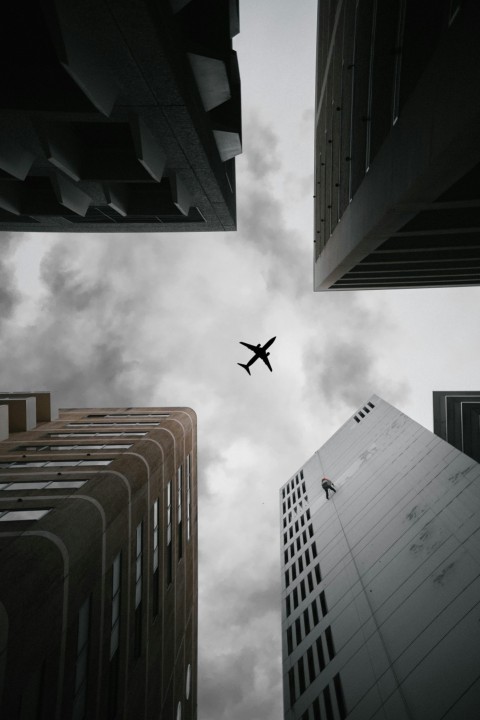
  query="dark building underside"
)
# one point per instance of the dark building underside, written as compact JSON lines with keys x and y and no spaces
{"x":456,"y":419}
{"x":118,"y":116}
{"x":397,"y":145}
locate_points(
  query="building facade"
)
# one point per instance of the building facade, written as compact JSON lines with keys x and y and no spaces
{"x":98,"y":540}
{"x":119,"y":117}
{"x":456,"y":419}
{"x":381,"y":583}
{"x":397,"y":144}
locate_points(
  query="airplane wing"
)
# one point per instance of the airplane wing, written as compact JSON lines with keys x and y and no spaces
{"x":265,"y":360}
{"x":253,"y":348}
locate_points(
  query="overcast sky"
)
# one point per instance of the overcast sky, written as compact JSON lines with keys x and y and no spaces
{"x":156,"y":319}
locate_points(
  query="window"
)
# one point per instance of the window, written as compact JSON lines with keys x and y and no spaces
{"x":323,"y":603}
{"x":155,"y":560}
{"x":298,"y":631}
{"x":169,"y":533}
{"x":108,"y":424}
{"x":328,"y":703}
{"x":81,"y":671}
{"x":330,"y":645}
{"x":287,"y":605}
{"x":320,"y":655}
{"x":316,"y":709}
{"x":96,"y":434}
{"x":337,"y":684}
{"x":289,"y":640}
{"x":306,"y":621}
{"x":22,"y":515}
{"x":189,"y":499}
{"x":113,"y":670}
{"x":68,"y":448}
{"x":311,"y":664}
{"x":179,"y":513}
{"x":115,"y":626}
{"x":137,"y":414}
{"x":301,"y":676}
{"x":37,"y":485}
{"x":54,"y":463}
{"x":137,"y":641}
{"x":291,"y":686}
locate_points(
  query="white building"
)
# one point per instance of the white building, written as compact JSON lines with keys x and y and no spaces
{"x":381,"y":583}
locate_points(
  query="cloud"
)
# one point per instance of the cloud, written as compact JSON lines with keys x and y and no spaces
{"x":261,"y":152}
{"x":9,"y":293}
{"x":346,"y":369}
{"x":282,"y":252}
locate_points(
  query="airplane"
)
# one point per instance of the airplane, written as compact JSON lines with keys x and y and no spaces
{"x":260,"y":352}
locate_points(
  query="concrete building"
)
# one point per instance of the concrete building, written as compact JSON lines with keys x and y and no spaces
{"x":98,"y":560}
{"x":397,"y":144}
{"x":456,"y":419}
{"x":118,"y":116}
{"x":381,"y":583}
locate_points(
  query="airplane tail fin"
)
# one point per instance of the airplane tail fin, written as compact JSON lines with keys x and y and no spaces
{"x":245,"y":366}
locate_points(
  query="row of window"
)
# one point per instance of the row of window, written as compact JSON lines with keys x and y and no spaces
{"x":292,"y":600}
{"x":64,"y":448}
{"x":83,"y":630}
{"x":361,"y":414}
{"x":301,"y":539}
{"x":292,"y":483}
{"x":308,"y":619}
{"x":298,"y":495}
{"x":295,"y":512}
{"x":322,"y":707}
{"x":108,"y":424}
{"x":295,"y":527}
{"x":310,"y":665}
{"x":87,"y":435}
{"x":55,"y":463}
{"x":303,"y":561}
{"x":40,"y":485}
{"x":134,"y":415}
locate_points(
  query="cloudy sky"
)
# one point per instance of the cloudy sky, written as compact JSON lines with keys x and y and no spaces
{"x":156,"y":319}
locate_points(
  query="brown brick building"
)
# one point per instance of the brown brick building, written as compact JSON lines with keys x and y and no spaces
{"x":98,"y":560}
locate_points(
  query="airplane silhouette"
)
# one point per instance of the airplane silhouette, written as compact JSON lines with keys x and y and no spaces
{"x":260,"y":352}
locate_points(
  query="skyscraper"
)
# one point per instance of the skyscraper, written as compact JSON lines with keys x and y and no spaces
{"x":397,"y":151}
{"x":456,"y":419}
{"x":98,"y":539}
{"x":119,"y":117}
{"x":381,"y":583}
